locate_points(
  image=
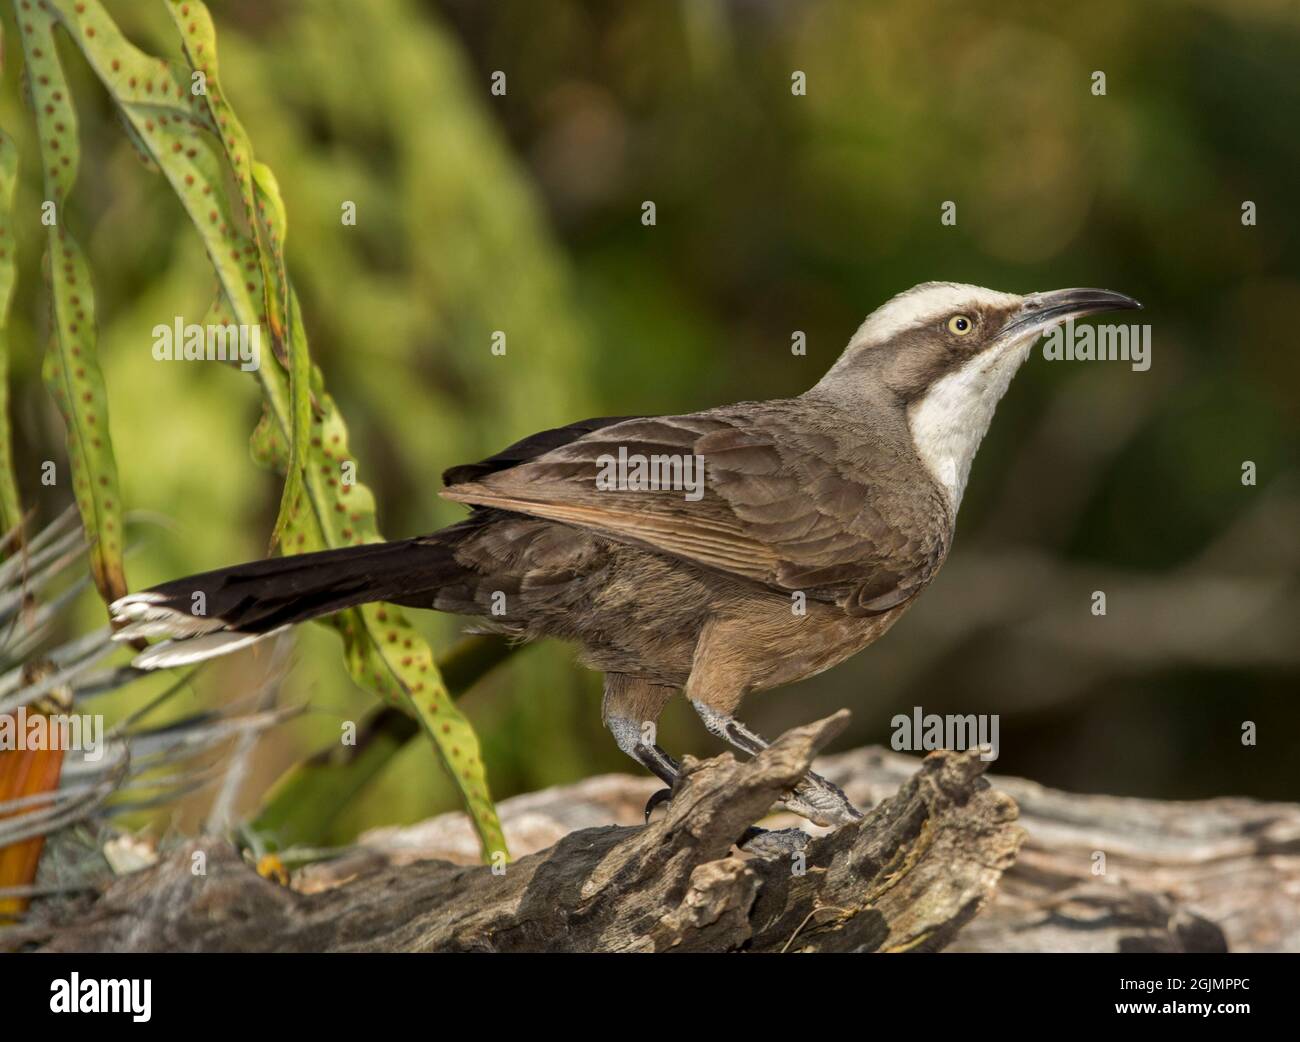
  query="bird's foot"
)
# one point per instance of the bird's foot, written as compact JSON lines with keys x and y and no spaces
{"x":656,"y":800}
{"x":820,"y":801}
{"x":773,"y":843}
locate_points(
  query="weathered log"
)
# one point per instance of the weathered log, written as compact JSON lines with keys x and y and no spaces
{"x":1176,"y":876}
{"x":906,"y":877}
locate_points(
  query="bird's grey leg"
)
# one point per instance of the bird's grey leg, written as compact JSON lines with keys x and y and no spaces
{"x":820,"y":801}
{"x":630,"y":710}
{"x":632,"y":737}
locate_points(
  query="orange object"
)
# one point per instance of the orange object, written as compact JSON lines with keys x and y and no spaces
{"x":24,"y":772}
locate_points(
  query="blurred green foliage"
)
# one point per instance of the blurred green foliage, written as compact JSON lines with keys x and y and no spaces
{"x":775,"y":213}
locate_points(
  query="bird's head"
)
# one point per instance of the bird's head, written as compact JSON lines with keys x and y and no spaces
{"x":947,"y":352}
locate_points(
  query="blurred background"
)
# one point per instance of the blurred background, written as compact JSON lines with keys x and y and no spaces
{"x":776,"y":213}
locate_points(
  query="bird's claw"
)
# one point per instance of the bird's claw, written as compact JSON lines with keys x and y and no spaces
{"x":656,"y":799}
{"x":820,"y":801}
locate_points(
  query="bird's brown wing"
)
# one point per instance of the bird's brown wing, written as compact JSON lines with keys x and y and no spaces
{"x":782,"y":505}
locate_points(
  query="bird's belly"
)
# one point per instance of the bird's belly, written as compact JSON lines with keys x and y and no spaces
{"x":798,"y":647}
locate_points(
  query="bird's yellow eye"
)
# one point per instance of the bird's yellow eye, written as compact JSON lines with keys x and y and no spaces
{"x":960,"y":324}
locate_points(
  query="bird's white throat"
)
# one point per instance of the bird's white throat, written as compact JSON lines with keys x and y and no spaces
{"x":950,"y":420}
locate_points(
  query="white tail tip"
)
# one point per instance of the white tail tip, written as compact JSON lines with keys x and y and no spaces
{"x":196,"y":649}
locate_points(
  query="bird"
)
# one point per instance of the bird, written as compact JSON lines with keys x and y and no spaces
{"x":713,"y":554}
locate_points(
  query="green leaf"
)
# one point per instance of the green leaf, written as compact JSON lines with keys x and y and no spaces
{"x":71,"y":367}
{"x":10,"y":508}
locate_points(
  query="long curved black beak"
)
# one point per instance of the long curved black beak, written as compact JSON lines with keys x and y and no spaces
{"x":1041,"y":310}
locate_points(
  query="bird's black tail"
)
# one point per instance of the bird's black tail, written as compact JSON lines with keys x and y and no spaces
{"x":220,"y":611}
